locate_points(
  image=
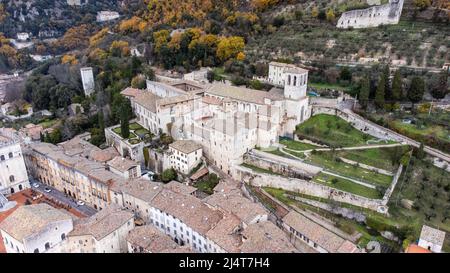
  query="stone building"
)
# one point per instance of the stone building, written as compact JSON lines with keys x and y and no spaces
{"x":125,"y":167}
{"x":431,"y":239}
{"x":13,"y":173}
{"x":36,"y":228}
{"x":185,"y":155}
{"x":104,"y":232}
{"x":304,"y":230}
{"x":387,"y":14}
{"x":87,"y":78}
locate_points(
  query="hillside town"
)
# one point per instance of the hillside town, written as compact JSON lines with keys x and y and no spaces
{"x":137,"y":134}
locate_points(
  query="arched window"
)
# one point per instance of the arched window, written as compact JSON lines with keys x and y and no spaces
{"x":20,"y":187}
{"x":63,"y":236}
{"x":11,"y":178}
{"x":36,"y":250}
{"x":295,"y":81}
{"x":47,"y":246}
{"x":2,"y":157}
{"x":10,"y":155}
{"x":289,"y":79}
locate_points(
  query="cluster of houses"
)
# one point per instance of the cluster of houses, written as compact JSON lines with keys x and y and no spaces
{"x":211,"y":124}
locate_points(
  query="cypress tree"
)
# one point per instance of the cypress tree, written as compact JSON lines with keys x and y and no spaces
{"x":380,"y":92}
{"x":397,"y":89}
{"x":364,"y":91}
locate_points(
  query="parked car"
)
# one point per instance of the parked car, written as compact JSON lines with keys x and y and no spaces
{"x":80,"y":203}
{"x":47,"y":190}
{"x":35,"y":185}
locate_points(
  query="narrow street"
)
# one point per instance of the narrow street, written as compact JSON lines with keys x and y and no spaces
{"x":61,"y":197}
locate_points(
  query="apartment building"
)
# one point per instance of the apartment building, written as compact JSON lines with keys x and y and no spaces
{"x":13,"y":173}
{"x":185,"y":155}
{"x":104,"y":232}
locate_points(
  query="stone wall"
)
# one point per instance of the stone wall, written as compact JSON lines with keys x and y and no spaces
{"x":268,"y":160}
{"x":372,"y":17}
{"x":306,"y":187}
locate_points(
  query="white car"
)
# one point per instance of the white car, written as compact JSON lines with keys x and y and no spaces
{"x":35,"y":185}
{"x":80,"y":203}
{"x":47,"y":190}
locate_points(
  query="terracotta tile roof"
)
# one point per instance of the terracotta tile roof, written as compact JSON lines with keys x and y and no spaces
{"x":235,"y":203}
{"x":413,"y":248}
{"x":265,"y":237}
{"x":31,"y":219}
{"x":315,"y":232}
{"x":102,"y":223}
{"x":226,"y":233}
{"x":178,"y":187}
{"x":122,"y":164}
{"x":150,"y":239}
{"x":185,"y":146}
{"x":131,"y":92}
{"x":147,"y":100}
{"x":199,"y":174}
{"x":138,"y":188}
{"x":241,"y":93}
{"x":188,"y":209}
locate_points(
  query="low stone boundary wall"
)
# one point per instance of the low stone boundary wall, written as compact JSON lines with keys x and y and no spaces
{"x":307,"y":187}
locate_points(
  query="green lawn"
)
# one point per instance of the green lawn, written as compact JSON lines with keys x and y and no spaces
{"x":380,"y":157}
{"x":297,"y":145}
{"x":49,"y":123}
{"x":347,"y":185}
{"x":257,"y":169}
{"x":331,"y":131}
{"x":326,"y":160}
{"x":135,"y":126}
{"x":322,"y":86}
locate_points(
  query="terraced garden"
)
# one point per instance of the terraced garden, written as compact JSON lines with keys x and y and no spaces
{"x":347,"y":185}
{"x":137,"y":133}
{"x":331,"y":131}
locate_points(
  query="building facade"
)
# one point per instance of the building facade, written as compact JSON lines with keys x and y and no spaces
{"x":13,"y":173}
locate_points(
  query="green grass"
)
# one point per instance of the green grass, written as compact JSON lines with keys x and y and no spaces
{"x":332,"y":131}
{"x":49,"y":123}
{"x":326,"y":160}
{"x":297,"y":145}
{"x":378,"y":157}
{"x":347,"y":185}
{"x":344,"y":224}
{"x":429,"y":188}
{"x":135,"y":126}
{"x":322,"y":86}
{"x":207,"y":184}
{"x":257,"y":169}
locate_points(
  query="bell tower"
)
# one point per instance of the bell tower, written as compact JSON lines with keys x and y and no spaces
{"x":295,"y":83}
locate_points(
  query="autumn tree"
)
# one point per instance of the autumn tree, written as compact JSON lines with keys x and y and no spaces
{"x":75,"y":37}
{"x":69,"y":59}
{"x":422,"y":4}
{"x":120,"y":48}
{"x":160,"y":38}
{"x":330,"y":15}
{"x":262,"y":5}
{"x":230,"y":47}
{"x":315,"y":12}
